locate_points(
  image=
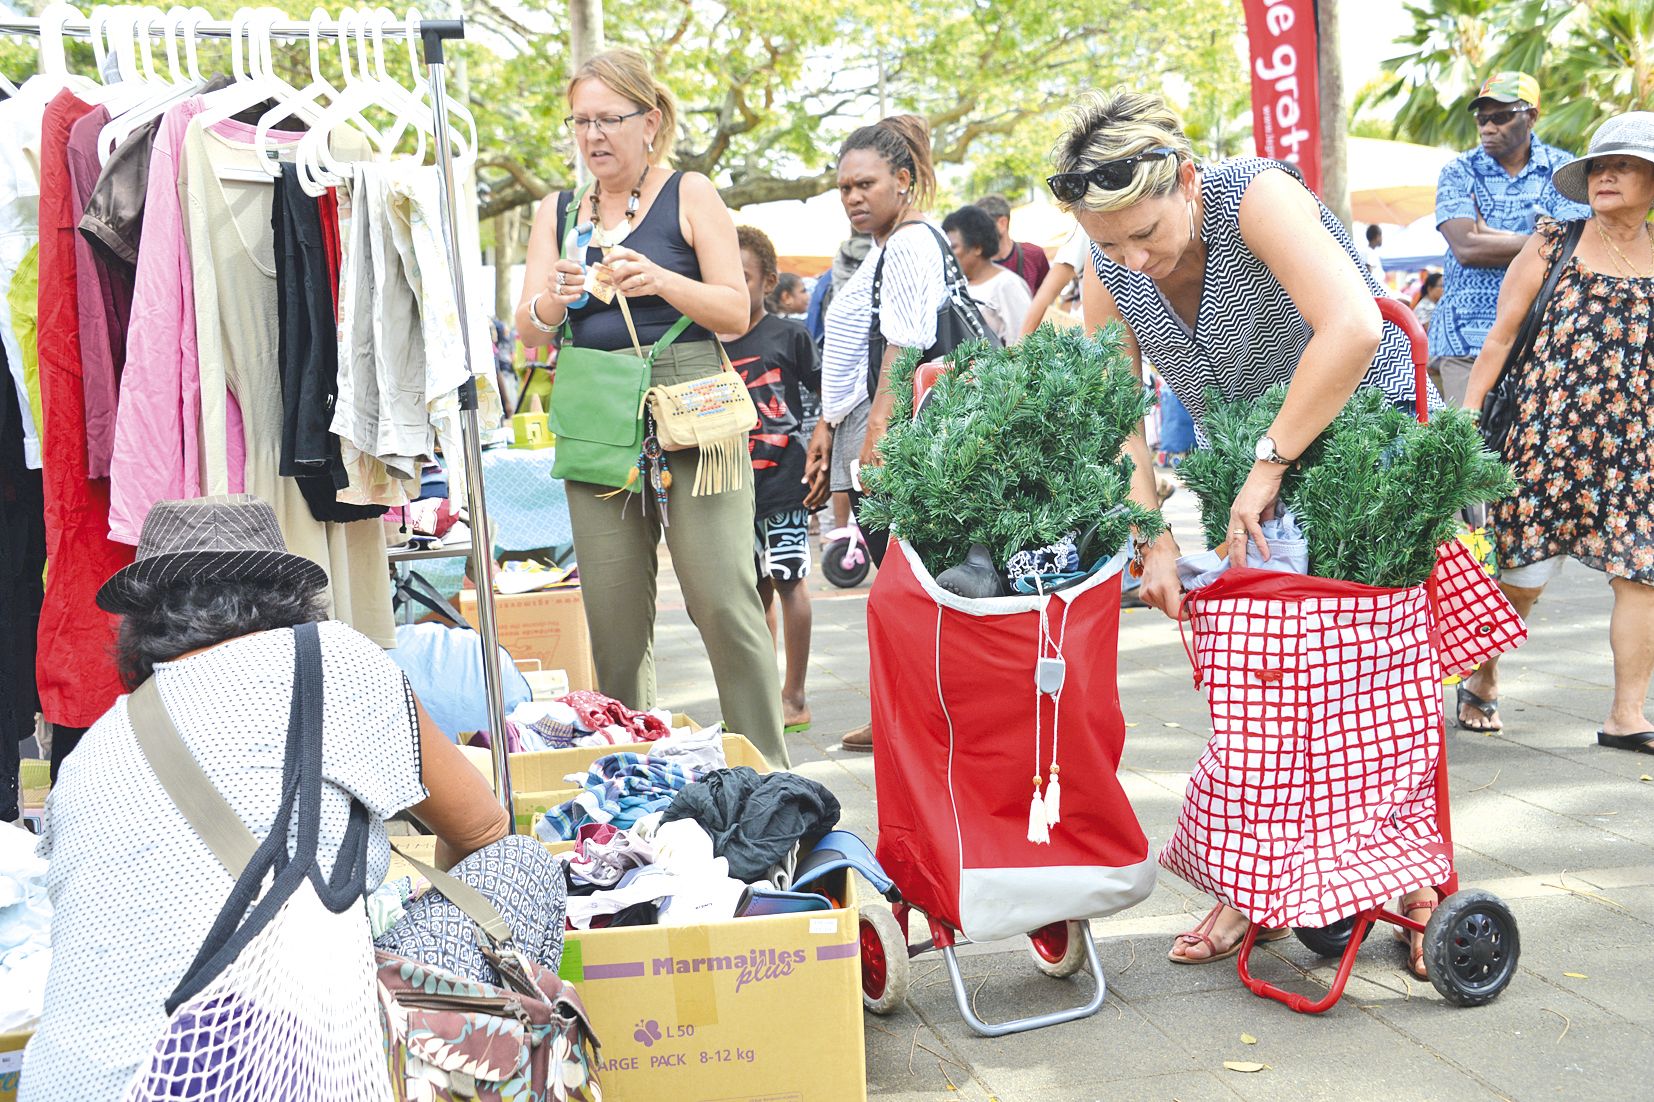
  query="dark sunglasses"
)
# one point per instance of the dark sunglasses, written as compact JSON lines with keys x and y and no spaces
{"x":1070,"y":187}
{"x":1500,"y":118}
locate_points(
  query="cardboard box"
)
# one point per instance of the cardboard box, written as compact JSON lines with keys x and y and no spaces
{"x":11,"y":1063}
{"x":549,"y":626}
{"x":747,"y":1010}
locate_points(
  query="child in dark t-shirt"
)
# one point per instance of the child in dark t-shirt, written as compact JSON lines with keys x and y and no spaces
{"x":777,"y":359}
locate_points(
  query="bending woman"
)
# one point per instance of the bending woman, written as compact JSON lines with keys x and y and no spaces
{"x":669,"y":244}
{"x":1233,"y":277}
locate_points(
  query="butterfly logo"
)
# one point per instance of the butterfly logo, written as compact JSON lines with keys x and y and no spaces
{"x":647,"y":1033}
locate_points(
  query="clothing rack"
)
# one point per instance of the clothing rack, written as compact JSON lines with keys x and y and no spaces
{"x":61,"y":21}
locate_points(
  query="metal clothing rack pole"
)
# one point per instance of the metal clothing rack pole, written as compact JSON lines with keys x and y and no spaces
{"x":432,"y":33}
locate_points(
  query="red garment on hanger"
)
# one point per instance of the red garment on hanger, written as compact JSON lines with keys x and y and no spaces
{"x":74,"y":665}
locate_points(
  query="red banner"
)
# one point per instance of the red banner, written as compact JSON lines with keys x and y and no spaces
{"x":1286,"y":108}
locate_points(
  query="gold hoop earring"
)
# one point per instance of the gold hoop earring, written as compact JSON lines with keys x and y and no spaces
{"x":1191,"y":219}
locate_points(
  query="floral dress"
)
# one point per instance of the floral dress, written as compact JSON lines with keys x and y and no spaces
{"x":1583,"y":447}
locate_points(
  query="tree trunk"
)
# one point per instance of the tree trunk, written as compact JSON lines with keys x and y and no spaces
{"x":1335,"y":174}
{"x":585,"y":42}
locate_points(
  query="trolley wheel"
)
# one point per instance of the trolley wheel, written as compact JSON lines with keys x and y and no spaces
{"x":1471,"y":947}
{"x":884,"y":966}
{"x":832,"y":565}
{"x":1059,"y":949}
{"x":1329,"y":941}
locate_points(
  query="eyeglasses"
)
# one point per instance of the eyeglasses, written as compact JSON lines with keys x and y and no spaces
{"x":1500,"y":118}
{"x":603,"y":124}
{"x":1070,"y":187}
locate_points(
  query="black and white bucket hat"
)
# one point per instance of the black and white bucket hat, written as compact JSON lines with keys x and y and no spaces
{"x":228,"y":538}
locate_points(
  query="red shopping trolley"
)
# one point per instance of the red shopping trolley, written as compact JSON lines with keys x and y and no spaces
{"x":971,"y":698}
{"x":1323,"y":791}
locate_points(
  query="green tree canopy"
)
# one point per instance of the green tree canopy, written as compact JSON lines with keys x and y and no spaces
{"x":769,"y":88}
{"x":1593,"y":59}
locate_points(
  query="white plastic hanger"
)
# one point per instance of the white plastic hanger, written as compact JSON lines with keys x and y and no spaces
{"x":113,"y":32}
{"x":313,"y":94}
{"x":54,"y":73}
{"x":417,"y":112}
{"x":174,"y":90}
{"x":254,"y":84}
{"x":319,"y":168}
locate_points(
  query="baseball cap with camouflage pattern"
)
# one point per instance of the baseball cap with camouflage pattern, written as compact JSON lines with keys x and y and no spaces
{"x":1509,"y":86}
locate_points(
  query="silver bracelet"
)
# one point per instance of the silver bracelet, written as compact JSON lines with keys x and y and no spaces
{"x":534,"y":316}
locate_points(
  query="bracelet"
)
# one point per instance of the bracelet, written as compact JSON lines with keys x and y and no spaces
{"x":534,"y":315}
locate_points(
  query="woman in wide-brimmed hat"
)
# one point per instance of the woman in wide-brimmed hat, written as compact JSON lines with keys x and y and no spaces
{"x":208,"y":612}
{"x":1582,"y":448}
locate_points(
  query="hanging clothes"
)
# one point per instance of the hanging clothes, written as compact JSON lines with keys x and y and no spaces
{"x":74,"y":665}
{"x":22,"y":558}
{"x":19,"y":238}
{"x":308,"y":356}
{"x":232,"y":251}
{"x":103,"y":301}
{"x":157,"y":423}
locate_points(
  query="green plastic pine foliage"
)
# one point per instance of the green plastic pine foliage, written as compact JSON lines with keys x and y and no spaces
{"x":1375,"y":494}
{"x":1384,"y":491}
{"x":1215,"y":473}
{"x":1014,"y":448}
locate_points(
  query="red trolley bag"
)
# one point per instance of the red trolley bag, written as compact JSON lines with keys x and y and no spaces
{"x":961,"y":731}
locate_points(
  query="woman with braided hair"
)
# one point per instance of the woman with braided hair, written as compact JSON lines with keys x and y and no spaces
{"x":885,"y":181}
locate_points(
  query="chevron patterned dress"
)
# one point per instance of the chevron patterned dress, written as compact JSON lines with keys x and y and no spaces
{"x":1248,"y":334}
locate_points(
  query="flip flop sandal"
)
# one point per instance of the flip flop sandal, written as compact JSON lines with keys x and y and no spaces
{"x":1488,"y":708}
{"x":1202,"y":932}
{"x":796,"y":728}
{"x":1641,"y":743}
{"x":1415,"y":957}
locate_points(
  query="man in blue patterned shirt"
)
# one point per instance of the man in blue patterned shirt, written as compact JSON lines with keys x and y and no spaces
{"x":1487,"y":201}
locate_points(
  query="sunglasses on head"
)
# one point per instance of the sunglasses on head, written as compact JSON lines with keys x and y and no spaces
{"x":1070,"y":187}
{"x":1500,"y":118}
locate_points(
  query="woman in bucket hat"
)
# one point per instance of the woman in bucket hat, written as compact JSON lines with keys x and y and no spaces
{"x":206,"y":609}
{"x":1582,"y":448}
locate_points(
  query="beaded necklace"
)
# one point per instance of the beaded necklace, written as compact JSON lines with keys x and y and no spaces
{"x":605,"y":238}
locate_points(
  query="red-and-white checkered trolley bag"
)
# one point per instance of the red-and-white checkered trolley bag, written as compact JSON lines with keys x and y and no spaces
{"x":1316,"y":796}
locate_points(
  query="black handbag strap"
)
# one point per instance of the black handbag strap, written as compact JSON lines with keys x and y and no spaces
{"x":959,"y":295}
{"x":212,"y":817}
{"x":418,"y":589}
{"x":1529,"y":333}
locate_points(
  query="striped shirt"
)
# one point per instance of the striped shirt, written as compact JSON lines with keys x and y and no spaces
{"x":1248,"y":334}
{"x":913,"y":287}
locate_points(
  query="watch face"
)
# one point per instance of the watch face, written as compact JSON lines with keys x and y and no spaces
{"x":1265,"y":448}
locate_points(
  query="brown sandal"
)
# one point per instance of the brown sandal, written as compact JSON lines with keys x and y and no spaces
{"x":1415,"y":957}
{"x":1203,"y":932}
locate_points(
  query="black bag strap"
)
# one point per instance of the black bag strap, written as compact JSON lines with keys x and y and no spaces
{"x":212,"y":817}
{"x":959,"y":295}
{"x":1529,"y":333}
{"x":418,"y":589}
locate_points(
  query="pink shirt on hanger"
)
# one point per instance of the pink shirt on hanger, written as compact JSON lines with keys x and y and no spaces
{"x":157,"y":454}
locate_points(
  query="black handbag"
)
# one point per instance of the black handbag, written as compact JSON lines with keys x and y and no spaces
{"x":1499,"y":407}
{"x":958,"y":319}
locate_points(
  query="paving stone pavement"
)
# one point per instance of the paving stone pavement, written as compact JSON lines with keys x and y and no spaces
{"x":1559,"y":828}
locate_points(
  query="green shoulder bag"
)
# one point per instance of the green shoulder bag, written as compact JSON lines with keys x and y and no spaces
{"x":597,"y":402}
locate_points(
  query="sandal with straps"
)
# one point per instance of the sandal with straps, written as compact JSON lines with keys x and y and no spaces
{"x":1203,"y":932}
{"x":1415,"y":957}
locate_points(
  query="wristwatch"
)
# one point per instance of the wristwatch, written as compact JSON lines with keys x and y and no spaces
{"x":1265,"y":452}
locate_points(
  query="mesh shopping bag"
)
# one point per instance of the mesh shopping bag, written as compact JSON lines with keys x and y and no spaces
{"x":961,"y":728}
{"x":280,"y":1001}
{"x":1316,"y":796}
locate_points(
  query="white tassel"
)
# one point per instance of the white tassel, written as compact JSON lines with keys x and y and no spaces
{"x":1038,"y":832}
{"x":1053,"y":798}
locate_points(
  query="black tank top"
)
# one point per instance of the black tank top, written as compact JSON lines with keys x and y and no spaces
{"x":657,"y":236}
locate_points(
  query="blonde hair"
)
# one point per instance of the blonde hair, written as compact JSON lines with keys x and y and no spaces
{"x":1105,"y":126}
{"x":626,"y":71}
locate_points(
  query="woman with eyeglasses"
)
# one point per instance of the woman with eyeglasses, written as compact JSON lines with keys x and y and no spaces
{"x":667,"y":243}
{"x":1231,"y":277}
